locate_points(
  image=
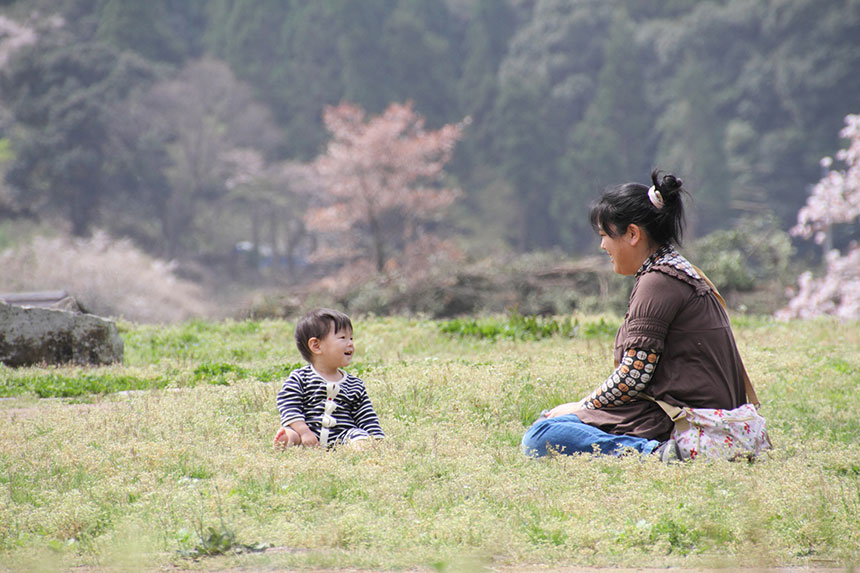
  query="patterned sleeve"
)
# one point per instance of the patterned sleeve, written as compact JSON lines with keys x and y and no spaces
{"x":629,"y":379}
{"x":365,"y":416}
{"x":290,"y":400}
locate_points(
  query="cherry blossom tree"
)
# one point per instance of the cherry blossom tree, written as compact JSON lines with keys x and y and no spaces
{"x":384,"y":186}
{"x":835,"y":199}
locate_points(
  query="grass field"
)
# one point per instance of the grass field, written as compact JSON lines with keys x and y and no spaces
{"x":167,"y":461}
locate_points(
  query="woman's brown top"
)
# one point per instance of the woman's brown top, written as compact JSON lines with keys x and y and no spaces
{"x":673,"y":313}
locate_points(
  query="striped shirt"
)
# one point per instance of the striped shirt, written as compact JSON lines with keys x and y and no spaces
{"x":303,"y":398}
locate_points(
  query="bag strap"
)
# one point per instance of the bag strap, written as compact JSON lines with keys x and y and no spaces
{"x":751,"y":395}
{"x":675,"y":413}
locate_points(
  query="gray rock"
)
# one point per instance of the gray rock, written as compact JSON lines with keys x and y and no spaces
{"x":38,"y":335}
{"x":56,"y":299}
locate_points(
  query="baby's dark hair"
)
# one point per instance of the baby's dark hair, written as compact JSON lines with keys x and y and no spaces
{"x":631,"y":203}
{"x":316,"y":324}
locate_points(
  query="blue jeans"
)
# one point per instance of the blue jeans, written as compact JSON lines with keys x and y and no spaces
{"x":568,"y":435}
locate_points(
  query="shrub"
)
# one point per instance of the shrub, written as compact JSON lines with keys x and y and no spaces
{"x":740,"y":259}
{"x":543,"y":284}
{"x":108,"y":277}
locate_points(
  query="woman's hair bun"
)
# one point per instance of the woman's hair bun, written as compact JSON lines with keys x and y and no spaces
{"x":667,"y":183}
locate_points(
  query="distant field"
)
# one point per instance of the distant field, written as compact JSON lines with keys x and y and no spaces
{"x":166,"y":461}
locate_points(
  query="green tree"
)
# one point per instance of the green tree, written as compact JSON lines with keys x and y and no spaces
{"x":288,"y":52}
{"x":528,"y":149}
{"x":750,"y":91}
{"x":312,"y":75}
{"x":141,"y":27}
{"x":490,"y":29}
{"x":301,"y":56}
{"x":421,"y":65}
{"x":546,"y":83}
{"x":57,"y":97}
{"x":691,"y":145}
{"x":615,"y":141}
{"x":805,"y":79}
{"x":365,"y":66}
{"x":484,"y":213}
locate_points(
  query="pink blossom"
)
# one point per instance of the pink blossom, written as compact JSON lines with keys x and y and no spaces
{"x":384,"y":186}
{"x":835,"y":199}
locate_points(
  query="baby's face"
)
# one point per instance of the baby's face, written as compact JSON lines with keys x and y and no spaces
{"x":337,"y":348}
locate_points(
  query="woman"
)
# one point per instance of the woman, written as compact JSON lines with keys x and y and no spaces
{"x":675,"y":343}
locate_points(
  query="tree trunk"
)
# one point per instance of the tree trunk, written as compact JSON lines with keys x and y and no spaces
{"x":79,"y":213}
{"x":273,"y":238}
{"x":255,"y":237}
{"x":378,"y":244}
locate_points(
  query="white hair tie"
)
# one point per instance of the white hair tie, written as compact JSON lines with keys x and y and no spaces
{"x":655,"y":197}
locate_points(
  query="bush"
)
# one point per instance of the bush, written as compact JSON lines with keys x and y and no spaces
{"x":106,"y":276}
{"x":535,"y":284}
{"x":743,"y":258}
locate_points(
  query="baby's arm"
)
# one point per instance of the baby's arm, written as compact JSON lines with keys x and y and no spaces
{"x":297,"y":434}
{"x":365,"y":416}
{"x":292,"y":412}
{"x":306,"y":437}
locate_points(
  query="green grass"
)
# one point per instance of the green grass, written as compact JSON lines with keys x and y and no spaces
{"x":181,"y":473}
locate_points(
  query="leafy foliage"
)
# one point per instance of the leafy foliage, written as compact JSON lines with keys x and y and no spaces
{"x":57,"y":95}
{"x":139,"y":119}
{"x":756,"y":251}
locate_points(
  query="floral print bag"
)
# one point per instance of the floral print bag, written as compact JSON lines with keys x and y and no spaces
{"x":713,"y":433}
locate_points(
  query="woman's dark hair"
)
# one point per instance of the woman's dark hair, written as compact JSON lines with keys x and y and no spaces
{"x":629,"y":204}
{"x":317,"y":324}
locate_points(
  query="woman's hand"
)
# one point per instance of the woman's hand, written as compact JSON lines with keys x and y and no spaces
{"x":564,"y":409}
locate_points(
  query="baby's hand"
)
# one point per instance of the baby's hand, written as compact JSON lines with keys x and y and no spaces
{"x":310,"y":440}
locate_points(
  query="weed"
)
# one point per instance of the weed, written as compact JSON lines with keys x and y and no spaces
{"x":277,"y":372}
{"x":212,"y":540}
{"x":218,"y":373}
{"x":519,"y":327}
{"x":55,"y":384}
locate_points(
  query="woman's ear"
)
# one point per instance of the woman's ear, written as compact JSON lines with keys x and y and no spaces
{"x":314,"y":345}
{"x":634,"y":234}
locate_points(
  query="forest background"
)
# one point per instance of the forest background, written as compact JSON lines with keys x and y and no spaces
{"x":173,"y":158}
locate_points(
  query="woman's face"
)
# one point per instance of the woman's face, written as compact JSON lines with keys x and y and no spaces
{"x":626,"y":258}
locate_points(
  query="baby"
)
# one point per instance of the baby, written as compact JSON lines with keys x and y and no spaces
{"x":320,"y":404}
